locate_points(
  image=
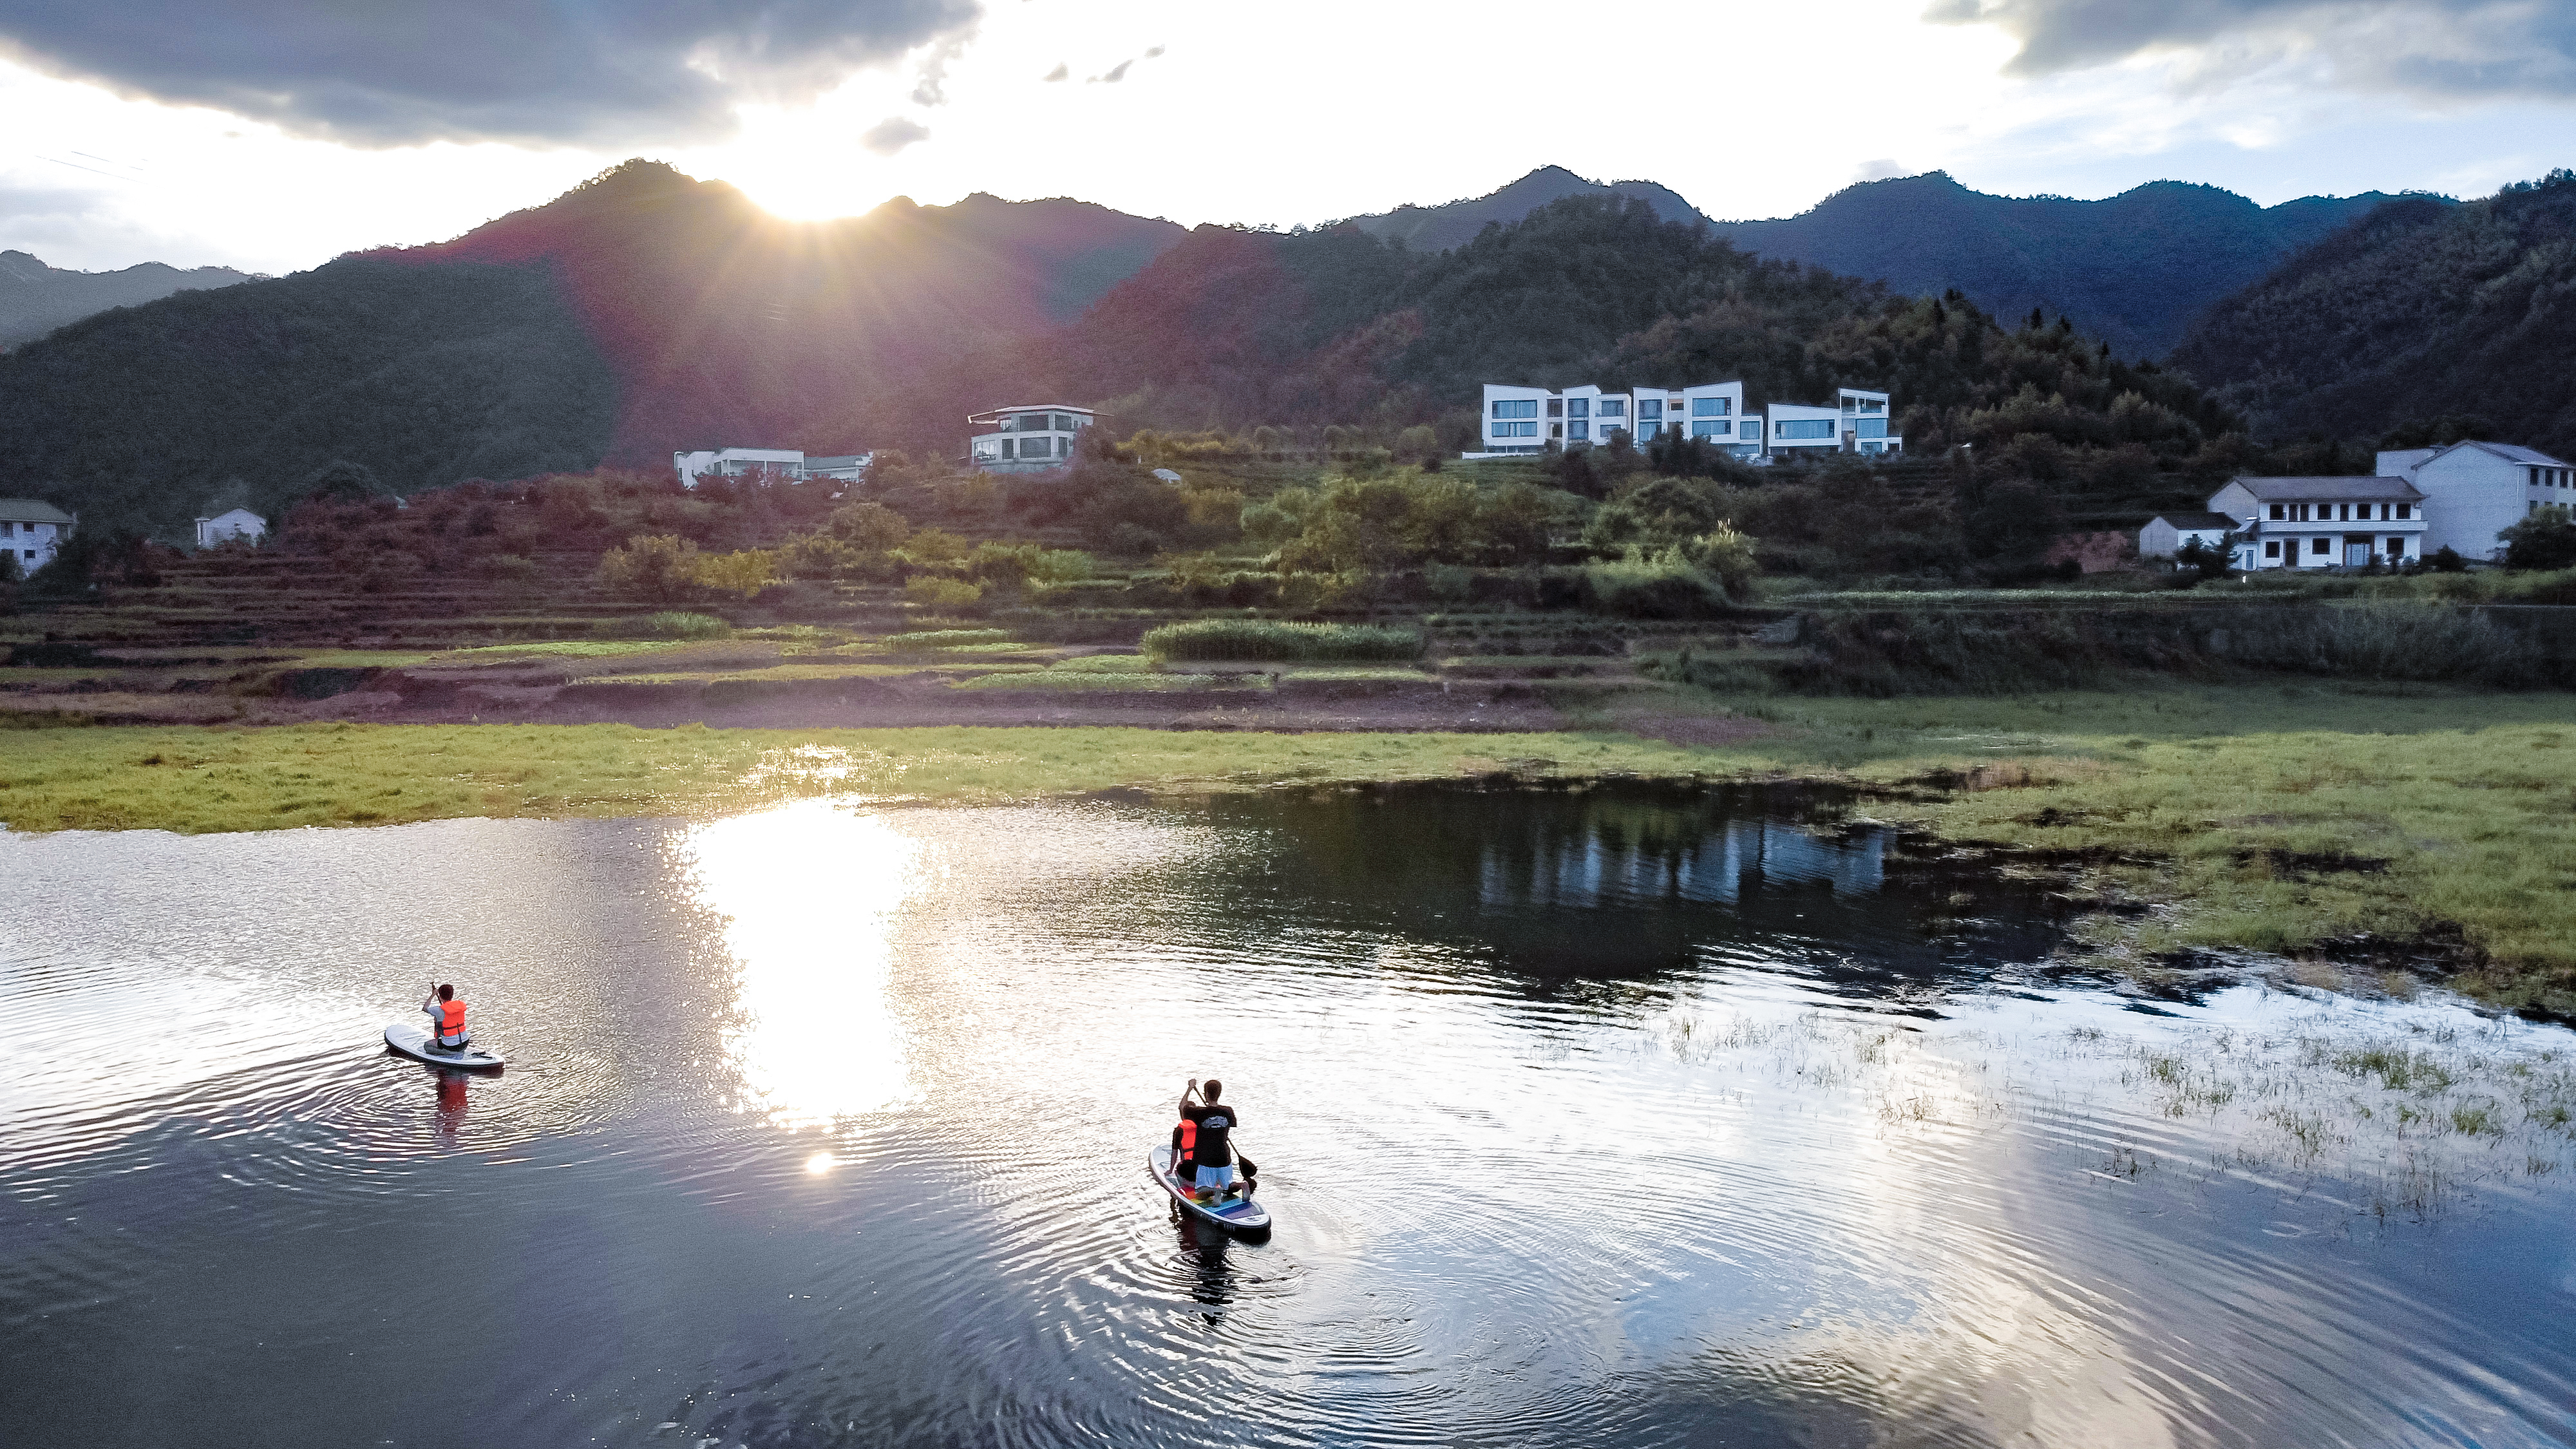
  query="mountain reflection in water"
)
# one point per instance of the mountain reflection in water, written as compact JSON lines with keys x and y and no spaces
{"x":1609,"y":1116}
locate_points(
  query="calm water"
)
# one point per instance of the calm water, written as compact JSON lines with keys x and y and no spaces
{"x":1607,"y":1118}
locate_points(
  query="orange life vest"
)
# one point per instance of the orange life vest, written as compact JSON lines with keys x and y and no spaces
{"x":451,"y":1022}
{"x":1189,"y":1136}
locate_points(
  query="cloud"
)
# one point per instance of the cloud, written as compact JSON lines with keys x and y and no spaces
{"x":1113,"y":75}
{"x":2445,"y":49}
{"x":1059,"y":73}
{"x":932,"y":90}
{"x":583,"y":72}
{"x":893,"y":134}
{"x":1150,"y":54}
{"x":1880,"y":170}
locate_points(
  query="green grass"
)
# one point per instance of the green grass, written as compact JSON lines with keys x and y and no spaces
{"x":948,"y":639}
{"x":566,"y":648}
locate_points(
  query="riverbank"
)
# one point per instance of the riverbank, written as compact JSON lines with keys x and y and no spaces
{"x":2400,"y":825}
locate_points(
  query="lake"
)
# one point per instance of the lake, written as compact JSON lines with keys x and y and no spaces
{"x":1588,"y":1117}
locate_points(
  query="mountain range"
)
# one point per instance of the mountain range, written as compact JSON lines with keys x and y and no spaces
{"x":1456,"y":223}
{"x":35,"y":298}
{"x":646,"y":312}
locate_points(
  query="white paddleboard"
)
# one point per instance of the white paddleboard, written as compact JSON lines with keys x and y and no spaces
{"x":412,"y":1040}
{"x":1235,"y":1210}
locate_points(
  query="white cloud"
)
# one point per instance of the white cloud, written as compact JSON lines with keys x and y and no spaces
{"x":892,"y":134}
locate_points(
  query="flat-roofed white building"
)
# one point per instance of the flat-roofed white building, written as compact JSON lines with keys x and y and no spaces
{"x":839,"y":467}
{"x":237,"y":523}
{"x":31,"y":531}
{"x":2318,"y":523}
{"x":1518,"y":419}
{"x":1028,"y":438}
{"x":2474,"y":491}
{"x":782,"y":463}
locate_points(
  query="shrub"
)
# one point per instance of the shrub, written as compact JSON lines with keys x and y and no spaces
{"x":658,"y":566}
{"x":1271,"y":640}
{"x":1661,"y":585}
{"x":937,"y":593}
{"x":872,"y":527}
{"x":2546,"y":541}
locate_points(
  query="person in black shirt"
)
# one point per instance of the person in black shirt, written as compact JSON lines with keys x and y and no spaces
{"x":1212,"y":1147}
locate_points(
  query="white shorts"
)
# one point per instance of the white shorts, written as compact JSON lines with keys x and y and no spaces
{"x":1216,"y":1177}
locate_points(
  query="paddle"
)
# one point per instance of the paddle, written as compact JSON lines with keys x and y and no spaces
{"x":1250,"y":1168}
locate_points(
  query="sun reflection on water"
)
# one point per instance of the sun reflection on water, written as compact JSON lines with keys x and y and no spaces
{"x":809,"y":894}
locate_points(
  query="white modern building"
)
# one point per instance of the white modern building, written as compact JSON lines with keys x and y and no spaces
{"x":31,"y":531}
{"x":2166,"y":533}
{"x":1517,"y":420}
{"x":2473,"y":491}
{"x":1029,"y":438}
{"x":2316,"y":523}
{"x":838,"y":467}
{"x":238,"y":523}
{"x":785,"y":465}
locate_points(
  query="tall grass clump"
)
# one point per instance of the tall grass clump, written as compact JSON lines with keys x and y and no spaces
{"x":1657,"y":586}
{"x":2395,"y":640}
{"x":1268,"y":639}
{"x":677,"y":624}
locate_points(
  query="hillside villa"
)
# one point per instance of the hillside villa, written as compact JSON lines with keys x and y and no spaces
{"x":31,"y":532}
{"x":783,"y":464}
{"x":236,"y":523}
{"x":1520,"y":420}
{"x":1027,"y":438}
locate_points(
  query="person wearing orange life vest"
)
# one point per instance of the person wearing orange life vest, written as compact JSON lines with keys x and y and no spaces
{"x":446,"y":1020}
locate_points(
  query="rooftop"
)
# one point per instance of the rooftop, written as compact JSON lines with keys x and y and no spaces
{"x":2511,"y":452}
{"x":2308,"y":490}
{"x":30,"y":510}
{"x":2197,"y":520}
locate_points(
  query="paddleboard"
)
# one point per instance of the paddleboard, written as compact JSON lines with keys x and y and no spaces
{"x":1234,"y":1211}
{"x":412,"y":1040}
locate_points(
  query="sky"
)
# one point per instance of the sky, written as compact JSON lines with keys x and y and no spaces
{"x":272,"y":135}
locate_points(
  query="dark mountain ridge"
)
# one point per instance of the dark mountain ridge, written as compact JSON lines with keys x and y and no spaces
{"x":35,"y":298}
{"x":1455,"y":223}
{"x":2419,"y":311}
{"x":2134,"y":269}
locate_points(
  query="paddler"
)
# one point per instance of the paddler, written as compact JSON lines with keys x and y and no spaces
{"x":446,"y":1019}
{"x":1212,"y":1124}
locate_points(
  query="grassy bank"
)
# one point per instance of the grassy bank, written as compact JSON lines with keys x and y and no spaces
{"x":2262,"y":817}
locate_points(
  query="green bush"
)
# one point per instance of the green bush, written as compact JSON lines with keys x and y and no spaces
{"x":937,"y":593}
{"x":1268,"y":639}
{"x":1657,"y":586}
{"x":674,"y":624}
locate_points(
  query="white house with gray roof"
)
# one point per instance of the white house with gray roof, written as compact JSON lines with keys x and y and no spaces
{"x":2473,"y":491}
{"x":2166,"y":533}
{"x":2317,"y":523}
{"x":31,"y":531}
{"x":1518,"y":419}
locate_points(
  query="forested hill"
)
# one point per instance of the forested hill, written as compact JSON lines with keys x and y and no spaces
{"x":1455,"y":223}
{"x":640,"y":313}
{"x":1234,"y":328}
{"x":35,"y":298}
{"x":2419,"y":313}
{"x":2133,"y":269}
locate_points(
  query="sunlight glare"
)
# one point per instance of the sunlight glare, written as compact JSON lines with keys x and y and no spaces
{"x":810,"y":893}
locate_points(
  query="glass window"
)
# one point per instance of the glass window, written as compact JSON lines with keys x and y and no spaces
{"x":1712,"y":430}
{"x":1006,"y":448}
{"x":2319,"y":545}
{"x":1516,"y":430}
{"x":1752,"y":431}
{"x":2280,"y":512}
{"x":1871,"y":428}
{"x":1034,"y":422}
{"x":1556,"y":407}
{"x":1650,"y":409}
{"x":1064,"y":422}
{"x":1579,"y":429}
{"x":2404,"y":509}
{"x":2272,"y":550}
{"x":1578,"y":407}
{"x":2396,"y":547}
{"x":1806,"y":428}
{"x":1516,"y":407}
{"x":1709,"y":407}
{"x":1614,"y":407}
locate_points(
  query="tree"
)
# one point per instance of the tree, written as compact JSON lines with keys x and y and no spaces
{"x":661,"y":568}
{"x":342,"y":480}
{"x":2208,"y":560}
{"x":2544,"y":540}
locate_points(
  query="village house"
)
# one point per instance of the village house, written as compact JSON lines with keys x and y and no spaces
{"x":31,"y":532}
{"x":1520,"y":420}
{"x":2316,"y":523}
{"x":2166,"y":533}
{"x":238,"y":523}
{"x":2473,"y":491}
{"x":1028,"y":438}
